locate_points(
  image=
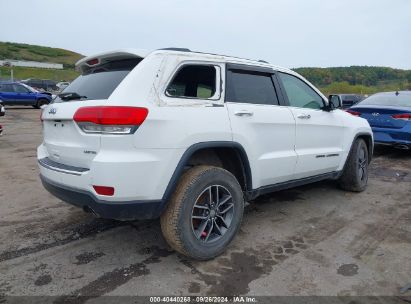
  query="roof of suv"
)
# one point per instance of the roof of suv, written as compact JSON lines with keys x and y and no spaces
{"x":141,"y":53}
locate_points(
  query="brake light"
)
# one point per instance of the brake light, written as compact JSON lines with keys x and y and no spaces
{"x":110,"y":119}
{"x":353,"y":112}
{"x":94,"y":61}
{"x":405,"y":116}
{"x":104,"y":190}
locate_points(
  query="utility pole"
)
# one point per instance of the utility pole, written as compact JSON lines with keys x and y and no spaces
{"x":9,"y":65}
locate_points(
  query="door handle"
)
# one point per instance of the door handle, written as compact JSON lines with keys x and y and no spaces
{"x":243,"y":113}
{"x":304,"y":116}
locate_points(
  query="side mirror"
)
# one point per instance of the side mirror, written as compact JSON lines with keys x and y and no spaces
{"x":334,"y":102}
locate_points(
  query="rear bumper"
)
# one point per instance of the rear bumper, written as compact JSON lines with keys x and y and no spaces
{"x":393,"y":137}
{"x":123,"y":211}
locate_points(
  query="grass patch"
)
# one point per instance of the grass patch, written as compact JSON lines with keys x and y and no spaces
{"x":21,"y":73}
{"x":21,"y":51}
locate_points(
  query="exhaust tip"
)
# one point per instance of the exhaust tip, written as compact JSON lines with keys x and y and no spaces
{"x":87,"y":209}
{"x":402,"y":147}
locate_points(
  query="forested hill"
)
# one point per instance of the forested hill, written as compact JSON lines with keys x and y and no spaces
{"x":357,"y":79}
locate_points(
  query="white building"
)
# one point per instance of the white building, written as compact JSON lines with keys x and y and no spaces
{"x":31,"y":64}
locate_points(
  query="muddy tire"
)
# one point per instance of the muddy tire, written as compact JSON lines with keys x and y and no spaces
{"x":204,"y":213}
{"x":355,"y":175}
{"x":40,"y":103}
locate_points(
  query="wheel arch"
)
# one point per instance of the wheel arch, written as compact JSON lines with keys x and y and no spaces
{"x":217,"y":147}
{"x":368,"y":138}
{"x":38,"y":98}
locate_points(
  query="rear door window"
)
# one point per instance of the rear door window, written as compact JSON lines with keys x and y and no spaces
{"x":98,"y":82}
{"x":6,"y":88}
{"x":193,"y":81}
{"x":250,"y":87}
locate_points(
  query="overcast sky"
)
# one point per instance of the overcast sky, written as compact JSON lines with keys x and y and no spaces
{"x":290,"y":33}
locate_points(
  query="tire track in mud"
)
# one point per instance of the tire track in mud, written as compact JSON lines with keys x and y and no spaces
{"x":370,"y":238}
{"x":109,"y":281}
{"x":77,"y":233}
{"x":231,"y":274}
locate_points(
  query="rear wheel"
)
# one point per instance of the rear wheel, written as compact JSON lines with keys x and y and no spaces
{"x":41,"y":102}
{"x":355,"y":174}
{"x":204,"y":213}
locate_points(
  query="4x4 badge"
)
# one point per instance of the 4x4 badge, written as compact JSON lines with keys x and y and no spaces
{"x":53,"y":111}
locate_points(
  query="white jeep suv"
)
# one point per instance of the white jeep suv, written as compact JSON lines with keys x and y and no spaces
{"x":188,"y":137}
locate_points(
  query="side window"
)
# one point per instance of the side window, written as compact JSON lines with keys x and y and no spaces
{"x":20,"y":89}
{"x":7,"y":88}
{"x":299,"y":93}
{"x":193,"y":81}
{"x":250,"y":87}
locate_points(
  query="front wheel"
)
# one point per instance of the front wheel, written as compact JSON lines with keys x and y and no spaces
{"x":355,"y":175}
{"x":41,"y":102}
{"x":204,"y":213}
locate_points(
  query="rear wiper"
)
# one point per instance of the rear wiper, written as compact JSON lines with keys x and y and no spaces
{"x":71,"y":96}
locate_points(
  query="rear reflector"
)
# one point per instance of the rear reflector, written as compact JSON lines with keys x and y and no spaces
{"x":110,"y":119}
{"x":353,"y":112}
{"x":405,"y":116}
{"x":104,"y":190}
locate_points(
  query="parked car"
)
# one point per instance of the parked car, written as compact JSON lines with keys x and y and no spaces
{"x":62,"y":85}
{"x":2,"y":113}
{"x":389,"y":115}
{"x":15,"y":93}
{"x":348,"y":100}
{"x":188,"y":136}
{"x":41,"y":84}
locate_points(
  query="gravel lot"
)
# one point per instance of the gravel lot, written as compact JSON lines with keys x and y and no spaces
{"x":312,"y":240}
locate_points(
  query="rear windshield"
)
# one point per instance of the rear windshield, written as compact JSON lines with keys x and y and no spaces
{"x":98,"y":82}
{"x":388,"y":99}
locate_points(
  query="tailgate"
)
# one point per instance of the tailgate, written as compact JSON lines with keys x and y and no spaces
{"x":63,"y":139}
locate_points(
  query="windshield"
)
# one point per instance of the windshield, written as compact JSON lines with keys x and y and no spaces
{"x":400,"y":99}
{"x":99,"y":82}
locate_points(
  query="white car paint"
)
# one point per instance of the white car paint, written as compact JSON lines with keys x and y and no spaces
{"x":280,"y":146}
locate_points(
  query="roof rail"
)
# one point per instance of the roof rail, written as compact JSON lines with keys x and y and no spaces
{"x":175,"y":49}
{"x":190,"y":51}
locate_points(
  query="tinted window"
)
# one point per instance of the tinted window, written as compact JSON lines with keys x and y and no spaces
{"x":299,"y":93}
{"x":20,"y":89}
{"x":388,"y":99}
{"x":99,"y":82}
{"x":250,"y":87}
{"x":193,"y":81}
{"x":6,"y":88}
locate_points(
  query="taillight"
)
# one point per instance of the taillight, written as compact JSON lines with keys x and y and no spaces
{"x":353,"y":112}
{"x":104,"y":190}
{"x":405,"y":116}
{"x":110,"y":119}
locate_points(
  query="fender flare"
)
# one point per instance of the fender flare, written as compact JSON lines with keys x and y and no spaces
{"x":369,"y":145}
{"x":172,"y":184}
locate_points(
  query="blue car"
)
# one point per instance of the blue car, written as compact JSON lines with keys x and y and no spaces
{"x":15,"y":93}
{"x":389,"y":115}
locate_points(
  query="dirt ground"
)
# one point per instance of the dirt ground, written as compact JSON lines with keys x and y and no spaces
{"x":312,"y":240}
